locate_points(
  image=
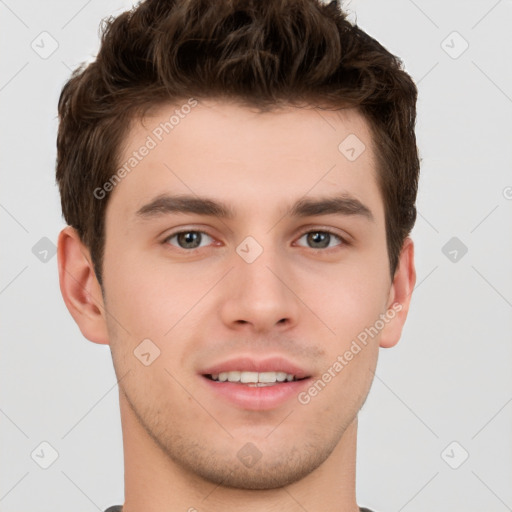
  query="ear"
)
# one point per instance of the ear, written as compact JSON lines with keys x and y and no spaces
{"x":80,"y":288}
{"x":400,"y":295}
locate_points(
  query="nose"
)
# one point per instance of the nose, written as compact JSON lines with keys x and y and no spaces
{"x":259,"y":295}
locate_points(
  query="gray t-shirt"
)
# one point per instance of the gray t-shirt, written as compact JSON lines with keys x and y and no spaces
{"x":119,"y":508}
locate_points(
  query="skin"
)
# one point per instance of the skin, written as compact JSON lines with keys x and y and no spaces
{"x":205,"y":305}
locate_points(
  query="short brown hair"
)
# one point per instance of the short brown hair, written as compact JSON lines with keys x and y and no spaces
{"x":261,"y":53}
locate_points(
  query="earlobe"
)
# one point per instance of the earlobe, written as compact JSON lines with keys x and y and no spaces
{"x":80,"y":288}
{"x":400,"y":296}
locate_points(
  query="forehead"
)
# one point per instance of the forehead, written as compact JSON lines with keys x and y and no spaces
{"x":244,"y":156}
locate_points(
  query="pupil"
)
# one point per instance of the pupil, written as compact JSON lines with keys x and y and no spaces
{"x":320,"y":239}
{"x":189,"y":239}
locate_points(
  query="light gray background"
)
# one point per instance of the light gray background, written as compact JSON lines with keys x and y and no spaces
{"x":449,"y":378}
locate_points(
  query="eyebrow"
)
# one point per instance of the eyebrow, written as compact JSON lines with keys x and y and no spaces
{"x":344,"y":204}
{"x":340,"y":205}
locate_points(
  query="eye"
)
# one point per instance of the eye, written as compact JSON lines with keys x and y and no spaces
{"x":321,"y":239}
{"x":189,"y":239}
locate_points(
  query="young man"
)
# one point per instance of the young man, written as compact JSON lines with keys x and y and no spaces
{"x":239,"y":178}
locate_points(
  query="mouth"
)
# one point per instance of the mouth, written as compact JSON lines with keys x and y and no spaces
{"x":257,"y":385}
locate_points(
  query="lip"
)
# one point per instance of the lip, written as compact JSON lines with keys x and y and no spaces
{"x":256,"y":398}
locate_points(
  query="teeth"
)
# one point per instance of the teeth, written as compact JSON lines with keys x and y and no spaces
{"x":267,"y":377}
{"x":246,"y":377}
{"x":261,"y":378}
{"x":234,"y":376}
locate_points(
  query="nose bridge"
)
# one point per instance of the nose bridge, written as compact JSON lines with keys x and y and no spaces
{"x":258,"y":268}
{"x":260,"y":295}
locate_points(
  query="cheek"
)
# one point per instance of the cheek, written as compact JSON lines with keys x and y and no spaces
{"x":352,"y":307}
{"x":345,"y":298}
{"x":153,"y":299}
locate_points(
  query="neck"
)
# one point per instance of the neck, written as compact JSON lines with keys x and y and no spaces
{"x":154,"y":482}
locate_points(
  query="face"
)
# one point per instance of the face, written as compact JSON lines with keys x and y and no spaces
{"x":246,"y":246}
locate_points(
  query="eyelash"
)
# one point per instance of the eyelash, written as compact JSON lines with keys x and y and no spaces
{"x":343,"y":241}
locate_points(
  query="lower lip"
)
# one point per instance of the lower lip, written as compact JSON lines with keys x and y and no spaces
{"x":256,"y":398}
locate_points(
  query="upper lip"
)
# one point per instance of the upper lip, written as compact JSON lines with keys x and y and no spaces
{"x":250,"y":364}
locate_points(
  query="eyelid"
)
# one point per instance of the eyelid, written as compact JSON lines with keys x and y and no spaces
{"x":341,"y":243}
{"x":187,"y":229}
{"x":344,"y":238}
